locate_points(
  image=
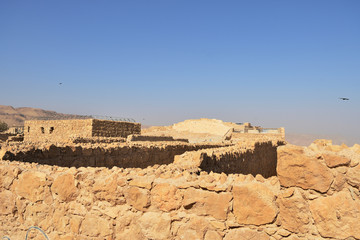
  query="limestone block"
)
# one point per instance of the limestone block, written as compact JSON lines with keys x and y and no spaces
{"x":333,"y":160}
{"x":353,"y":176}
{"x":95,"y":226}
{"x":254,"y":203}
{"x":138,"y":198}
{"x":32,"y":185}
{"x":166,"y":197}
{"x":245,"y":234}
{"x":294,"y":168}
{"x":7,"y":202}
{"x":64,"y":187}
{"x":155,"y":225}
{"x":294,"y":212}
{"x":337,"y":216}
{"x":202,"y":202}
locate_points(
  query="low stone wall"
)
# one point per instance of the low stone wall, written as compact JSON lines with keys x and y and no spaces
{"x":101,"y":155}
{"x":315,"y":196}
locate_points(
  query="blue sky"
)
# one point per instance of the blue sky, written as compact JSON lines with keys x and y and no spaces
{"x":272,"y":63}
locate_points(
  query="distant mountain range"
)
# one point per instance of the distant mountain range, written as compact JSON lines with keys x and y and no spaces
{"x":16,"y":116}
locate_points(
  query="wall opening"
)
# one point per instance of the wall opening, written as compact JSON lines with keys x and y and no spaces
{"x":28,"y":129}
{"x":42,"y":130}
{"x":51,"y":130}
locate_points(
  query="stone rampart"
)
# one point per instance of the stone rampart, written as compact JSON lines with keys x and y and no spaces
{"x":106,"y":128}
{"x":315,"y":196}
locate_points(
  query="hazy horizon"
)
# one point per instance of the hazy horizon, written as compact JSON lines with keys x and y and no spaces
{"x":271,"y":63}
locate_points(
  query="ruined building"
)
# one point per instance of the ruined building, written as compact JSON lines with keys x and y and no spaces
{"x":62,"y":130}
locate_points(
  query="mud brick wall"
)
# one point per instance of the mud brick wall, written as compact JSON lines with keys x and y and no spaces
{"x":315,"y":195}
{"x":105,"y":128}
{"x":56,"y":130}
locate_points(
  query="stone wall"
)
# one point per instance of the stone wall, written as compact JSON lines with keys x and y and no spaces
{"x":57,"y":130}
{"x":106,"y":128}
{"x":100,"y":155}
{"x":315,"y":196}
{"x":65,"y":130}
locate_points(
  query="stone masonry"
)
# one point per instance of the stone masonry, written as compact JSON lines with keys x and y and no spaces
{"x":64,"y":130}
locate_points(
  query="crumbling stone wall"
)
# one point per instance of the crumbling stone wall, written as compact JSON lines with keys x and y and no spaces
{"x":101,"y":155}
{"x":315,"y":196}
{"x":65,"y":130}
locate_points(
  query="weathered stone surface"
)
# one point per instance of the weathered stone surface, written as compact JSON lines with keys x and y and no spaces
{"x":166,"y":197}
{"x":155,"y":225}
{"x":64,"y":187}
{"x":212,"y":235}
{"x":337,"y":216}
{"x":107,"y":189}
{"x":143,"y":182}
{"x":353,"y":176}
{"x":295,"y":169}
{"x":95,"y":226}
{"x":7,"y":202}
{"x":245,"y":234}
{"x":203,"y":202}
{"x":333,"y":160}
{"x":294,"y":212}
{"x":32,"y":185}
{"x":195,"y":228}
{"x":254,"y":204}
{"x":138,"y":198}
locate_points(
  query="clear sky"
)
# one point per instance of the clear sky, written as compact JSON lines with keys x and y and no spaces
{"x":272,"y":63}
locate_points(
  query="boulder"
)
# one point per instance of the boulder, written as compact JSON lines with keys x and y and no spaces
{"x":32,"y":185}
{"x":334,"y":160}
{"x":155,"y":225}
{"x":138,"y":198}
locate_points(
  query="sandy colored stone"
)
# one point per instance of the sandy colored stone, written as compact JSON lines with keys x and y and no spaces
{"x":95,"y":226}
{"x":295,"y":169}
{"x":138,"y":198}
{"x":64,"y":187}
{"x":294,"y":212}
{"x":245,"y":234}
{"x":195,"y":228}
{"x":353,"y":176}
{"x":32,"y":185}
{"x":212,"y":235}
{"x":107,"y":189}
{"x":254,"y":203}
{"x":166,"y":197}
{"x":143,"y":182}
{"x":7,"y":202}
{"x":337,"y":216}
{"x":334,"y":160}
{"x":155,"y":225}
{"x":205,"y":203}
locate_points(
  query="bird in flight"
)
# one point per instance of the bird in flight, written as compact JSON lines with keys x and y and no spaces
{"x":344,"y":99}
{"x":60,"y":84}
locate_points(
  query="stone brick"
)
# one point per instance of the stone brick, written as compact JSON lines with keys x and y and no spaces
{"x":333,"y":160}
{"x":7,"y":202}
{"x":155,"y":225}
{"x":95,"y":226}
{"x":138,"y":198}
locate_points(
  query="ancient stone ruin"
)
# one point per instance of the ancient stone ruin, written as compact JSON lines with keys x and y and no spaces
{"x":176,"y":183}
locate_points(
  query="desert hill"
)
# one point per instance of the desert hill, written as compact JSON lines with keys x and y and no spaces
{"x":16,"y":116}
